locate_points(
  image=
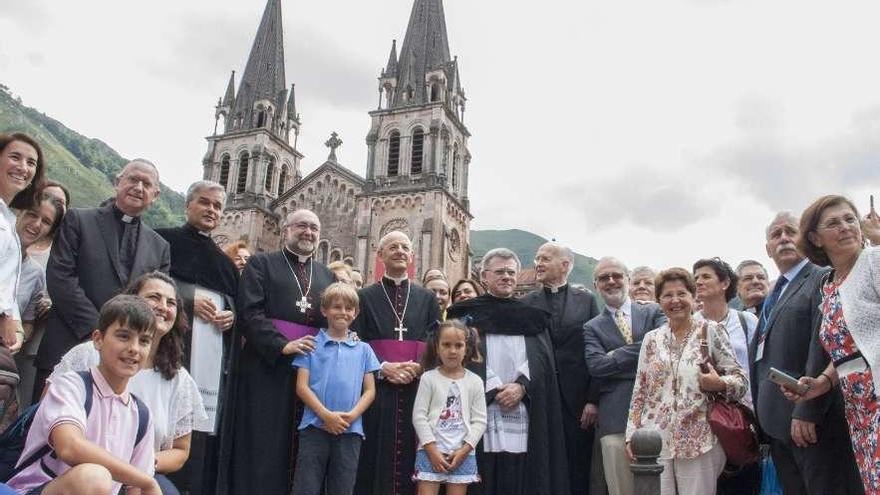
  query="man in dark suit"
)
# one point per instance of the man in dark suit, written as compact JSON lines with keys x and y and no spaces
{"x":808,"y":441}
{"x":96,"y":252}
{"x":571,"y":308}
{"x":612,"y":341}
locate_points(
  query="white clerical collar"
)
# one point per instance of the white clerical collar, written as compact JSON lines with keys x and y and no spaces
{"x":555,"y":288}
{"x":397,"y":281}
{"x":204,"y":233}
{"x":301,"y":258}
{"x":127,"y":218}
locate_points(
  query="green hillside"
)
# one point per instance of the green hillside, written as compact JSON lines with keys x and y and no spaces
{"x":525,"y":244}
{"x":86,"y":166}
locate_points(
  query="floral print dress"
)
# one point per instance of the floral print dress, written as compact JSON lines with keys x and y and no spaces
{"x":860,"y":398}
{"x":667,"y":395}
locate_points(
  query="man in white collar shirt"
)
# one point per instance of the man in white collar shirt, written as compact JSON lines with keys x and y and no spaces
{"x":395,"y":318}
{"x":96,"y":252}
{"x":278,"y":305}
{"x":612,"y":342}
{"x":809,"y":441}
{"x":570,"y":308}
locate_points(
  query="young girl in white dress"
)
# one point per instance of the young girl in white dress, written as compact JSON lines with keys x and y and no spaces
{"x":449,"y":414}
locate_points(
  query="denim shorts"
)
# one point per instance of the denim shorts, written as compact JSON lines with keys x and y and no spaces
{"x":464,"y":474}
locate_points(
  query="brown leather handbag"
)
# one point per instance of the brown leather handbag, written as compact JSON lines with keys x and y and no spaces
{"x":732,"y":422}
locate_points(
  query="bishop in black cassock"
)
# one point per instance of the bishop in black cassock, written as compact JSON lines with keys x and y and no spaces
{"x":515,"y":336}
{"x":395,"y":318}
{"x":197,"y":262}
{"x":267,"y":412}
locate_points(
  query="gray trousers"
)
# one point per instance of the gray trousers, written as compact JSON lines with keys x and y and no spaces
{"x":326,"y":460}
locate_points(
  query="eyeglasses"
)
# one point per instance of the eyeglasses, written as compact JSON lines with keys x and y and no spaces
{"x":846,"y":222}
{"x":607,"y":277}
{"x":306,"y":226}
{"x":502,"y":272}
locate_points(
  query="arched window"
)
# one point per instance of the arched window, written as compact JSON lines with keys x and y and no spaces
{"x":409,"y":94}
{"x":270,"y":173}
{"x":455,"y":168}
{"x":224,"y":170}
{"x":282,"y":180}
{"x":393,"y":154}
{"x":435,"y":92}
{"x":242,"y":172}
{"x":261,"y":118}
{"x":418,"y":145}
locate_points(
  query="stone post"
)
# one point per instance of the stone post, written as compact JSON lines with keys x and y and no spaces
{"x":646,"y":446}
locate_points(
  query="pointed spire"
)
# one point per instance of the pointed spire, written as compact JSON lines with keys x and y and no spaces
{"x":291,"y":103}
{"x":263,"y":77}
{"x":391,"y":69}
{"x":230,"y":92}
{"x":425,"y":48}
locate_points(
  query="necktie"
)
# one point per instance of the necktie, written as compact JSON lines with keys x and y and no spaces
{"x":623,"y":326}
{"x":128,"y":247}
{"x":771,"y":301}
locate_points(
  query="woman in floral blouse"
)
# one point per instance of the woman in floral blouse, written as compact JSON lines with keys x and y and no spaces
{"x":670,"y":393}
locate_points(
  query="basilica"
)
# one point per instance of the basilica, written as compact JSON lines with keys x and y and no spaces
{"x":417,"y":166}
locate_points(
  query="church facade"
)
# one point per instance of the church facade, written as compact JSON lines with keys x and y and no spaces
{"x":416,"y":171}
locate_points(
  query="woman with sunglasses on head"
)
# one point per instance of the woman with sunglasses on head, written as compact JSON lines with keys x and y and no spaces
{"x":163,"y":383}
{"x":832,"y":235}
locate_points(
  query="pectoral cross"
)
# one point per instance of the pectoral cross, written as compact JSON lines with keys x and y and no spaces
{"x":400,"y":331}
{"x":304,"y":305}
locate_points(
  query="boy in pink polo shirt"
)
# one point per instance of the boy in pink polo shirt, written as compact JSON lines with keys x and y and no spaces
{"x":97,"y":451}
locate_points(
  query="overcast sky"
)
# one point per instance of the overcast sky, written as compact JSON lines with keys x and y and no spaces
{"x":657,"y":131}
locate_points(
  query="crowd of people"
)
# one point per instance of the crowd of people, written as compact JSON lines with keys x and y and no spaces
{"x":155,"y":362}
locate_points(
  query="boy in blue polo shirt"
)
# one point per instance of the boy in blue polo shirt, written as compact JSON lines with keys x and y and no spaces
{"x":336,"y":384}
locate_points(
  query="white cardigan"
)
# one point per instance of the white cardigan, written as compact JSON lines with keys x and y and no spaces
{"x":431,"y":398}
{"x":860,"y":301}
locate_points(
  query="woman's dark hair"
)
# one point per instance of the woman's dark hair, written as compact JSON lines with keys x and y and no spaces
{"x":52,"y":183}
{"x":476,"y":285}
{"x":59,"y":211}
{"x":724,"y":273}
{"x":169,"y":355}
{"x":672,"y":275}
{"x":27,"y":197}
{"x":431,"y":357}
{"x":810,"y":222}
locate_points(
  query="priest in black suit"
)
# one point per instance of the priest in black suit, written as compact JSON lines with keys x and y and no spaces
{"x":570,"y":308}
{"x":207,"y":282}
{"x":395,"y":318}
{"x":522,"y":450}
{"x":96,"y":252}
{"x":279,"y":314}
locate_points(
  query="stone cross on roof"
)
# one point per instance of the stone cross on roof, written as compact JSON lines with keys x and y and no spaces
{"x":333,"y":143}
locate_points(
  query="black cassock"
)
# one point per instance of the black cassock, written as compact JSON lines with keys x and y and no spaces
{"x":197,"y":260}
{"x":388,"y":452}
{"x":543,"y":469}
{"x":571,"y":308}
{"x":267,"y":411}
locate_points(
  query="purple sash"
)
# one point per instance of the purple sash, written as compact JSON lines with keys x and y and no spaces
{"x":293,"y":330}
{"x":396,"y":351}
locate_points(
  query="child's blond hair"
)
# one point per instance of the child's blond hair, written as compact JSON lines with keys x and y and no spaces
{"x":340,"y":291}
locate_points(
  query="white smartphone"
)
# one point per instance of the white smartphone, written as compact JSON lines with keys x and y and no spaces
{"x":787,"y":381}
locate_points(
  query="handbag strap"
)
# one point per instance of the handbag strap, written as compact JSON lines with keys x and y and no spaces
{"x":704,"y":344}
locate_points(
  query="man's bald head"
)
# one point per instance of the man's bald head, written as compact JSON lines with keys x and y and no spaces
{"x":302,"y":230}
{"x":553,"y":264}
{"x":395,"y":251}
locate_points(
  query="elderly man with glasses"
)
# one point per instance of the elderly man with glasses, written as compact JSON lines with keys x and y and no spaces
{"x":612,"y":342}
{"x":521,"y":451}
